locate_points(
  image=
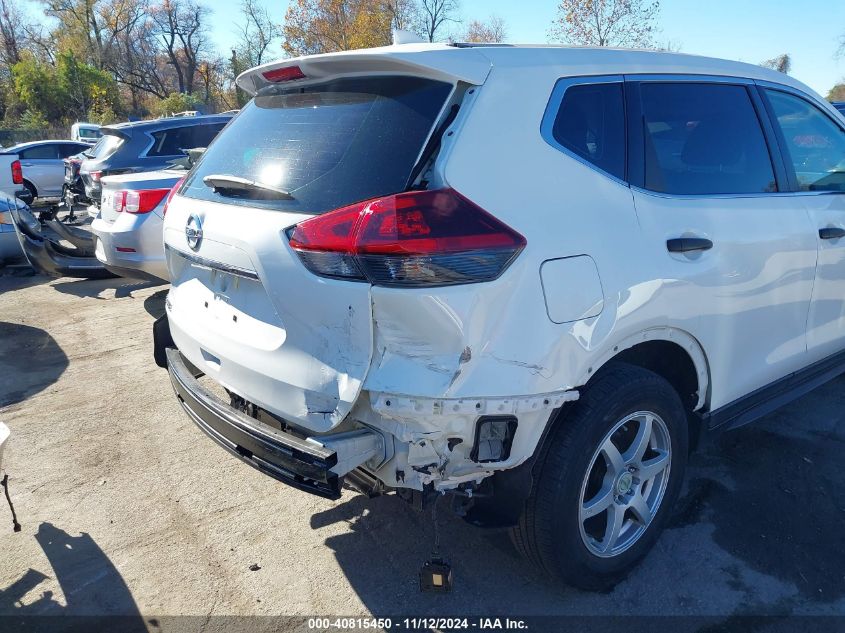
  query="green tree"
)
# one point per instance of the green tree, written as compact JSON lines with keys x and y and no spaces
{"x":837,"y":93}
{"x":83,"y":87}
{"x":175,"y":102}
{"x":35,"y":89}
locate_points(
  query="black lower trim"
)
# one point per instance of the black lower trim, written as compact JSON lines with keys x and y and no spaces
{"x":775,"y":395}
{"x":280,"y":455}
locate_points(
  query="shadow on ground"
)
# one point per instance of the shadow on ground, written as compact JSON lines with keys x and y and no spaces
{"x":94,"y":288}
{"x":89,"y":582}
{"x":30,"y":361}
{"x":154,"y":304}
{"x":758,"y":531}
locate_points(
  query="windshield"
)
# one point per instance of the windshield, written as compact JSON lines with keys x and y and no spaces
{"x":338,"y":143}
{"x":89,"y":133}
{"x":105,"y":147}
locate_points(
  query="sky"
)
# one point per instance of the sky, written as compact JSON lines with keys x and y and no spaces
{"x":744,"y":30}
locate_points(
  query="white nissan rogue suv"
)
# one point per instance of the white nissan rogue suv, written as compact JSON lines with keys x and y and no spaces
{"x":526,"y":277}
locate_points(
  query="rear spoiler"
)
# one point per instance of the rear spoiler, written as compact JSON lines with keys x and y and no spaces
{"x":435,"y":61}
{"x":113,"y":131}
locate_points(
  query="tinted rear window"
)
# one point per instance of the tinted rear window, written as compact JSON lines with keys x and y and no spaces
{"x":105,"y":147}
{"x":328,"y":145}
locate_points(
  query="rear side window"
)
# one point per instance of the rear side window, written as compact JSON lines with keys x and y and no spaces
{"x":591,"y":125}
{"x":39,"y":152}
{"x":703,"y":139}
{"x":814,"y":142}
{"x":174,"y":141}
{"x":328,"y":145}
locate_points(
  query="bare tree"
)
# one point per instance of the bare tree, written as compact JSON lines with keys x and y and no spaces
{"x":436,"y":15}
{"x":181,"y":27}
{"x":781,"y":63}
{"x":404,"y":14}
{"x":491,"y":31}
{"x":80,"y":26}
{"x":623,"y":23}
{"x":257,"y":34}
{"x":12,"y":34}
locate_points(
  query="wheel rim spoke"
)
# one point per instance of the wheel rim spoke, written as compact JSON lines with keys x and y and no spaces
{"x":599,"y":503}
{"x":641,"y":442}
{"x":615,"y":463}
{"x":640,"y":509}
{"x":649,"y":469}
{"x":615,"y":518}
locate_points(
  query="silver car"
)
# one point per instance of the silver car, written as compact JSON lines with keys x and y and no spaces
{"x":43,"y":165}
{"x":129,"y":225}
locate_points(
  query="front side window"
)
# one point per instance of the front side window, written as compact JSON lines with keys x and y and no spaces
{"x":703,"y":139}
{"x":591,"y":125}
{"x":815,"y":144}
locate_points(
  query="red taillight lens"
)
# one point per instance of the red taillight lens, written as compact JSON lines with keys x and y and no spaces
{"x":417,"y":238}
{"x":17,"y":172}
{"x":132,"y":201}
{"x":96,"y":175}
{"x":288,"y":73}
{"x":172,"y":193}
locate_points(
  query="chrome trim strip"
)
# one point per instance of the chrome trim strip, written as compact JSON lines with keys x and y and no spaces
{"x":211,"y":264}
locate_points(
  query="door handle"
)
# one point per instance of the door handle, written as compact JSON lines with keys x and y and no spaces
{"x":688,"y":244}
{"x":831,"y":233}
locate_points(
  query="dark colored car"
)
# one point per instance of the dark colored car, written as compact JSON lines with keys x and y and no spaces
{"x":840,"y":105}
{"x":135,"y":147}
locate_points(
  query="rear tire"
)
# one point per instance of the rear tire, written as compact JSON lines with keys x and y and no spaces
{"x":607,"y":479}
{"x":33,"y":194}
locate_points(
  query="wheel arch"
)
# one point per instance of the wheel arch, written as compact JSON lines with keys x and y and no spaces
{"x":31,"y":185}
{"x":669,"y":352}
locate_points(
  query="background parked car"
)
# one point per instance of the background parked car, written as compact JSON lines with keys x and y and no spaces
{"x":11,"y":177}
{"x":840,"y":105}
{"x":9,"y":246}
{"x":85,"y":132}
{"x":42,"y":163}
{"x":129,"y":226}
{"x":142,"y":146}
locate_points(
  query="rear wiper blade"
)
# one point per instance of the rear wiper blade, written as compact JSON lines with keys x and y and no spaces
{"x":223,"y":183}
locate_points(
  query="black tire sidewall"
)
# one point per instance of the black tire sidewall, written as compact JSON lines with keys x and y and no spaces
{"x":589,"y":423}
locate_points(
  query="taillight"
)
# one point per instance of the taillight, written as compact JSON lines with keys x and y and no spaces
{"x":132,"y":201}
{"x":17,"y":172}
{"x":172,"y":193}
{"x":96,"y":175}
{"x":416,"y":238}
{"x":288,"y":73}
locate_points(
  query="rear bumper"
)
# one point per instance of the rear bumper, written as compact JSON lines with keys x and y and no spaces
{"x":51,"y":258}
{"x":283,"y":456}
{"x":142,"y":234}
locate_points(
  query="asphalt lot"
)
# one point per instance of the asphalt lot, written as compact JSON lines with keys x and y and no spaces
{"x":127,"y":508}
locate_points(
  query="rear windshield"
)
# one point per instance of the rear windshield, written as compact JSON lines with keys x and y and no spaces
{"x":105,"y":147}
{"x":328,"y":146}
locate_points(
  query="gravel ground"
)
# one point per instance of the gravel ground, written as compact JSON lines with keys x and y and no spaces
{"x":128,"y":508}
